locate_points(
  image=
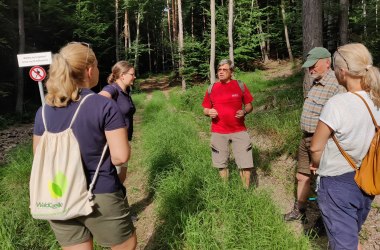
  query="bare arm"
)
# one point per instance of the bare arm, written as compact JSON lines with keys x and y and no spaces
{"x":36,"y":140}
{"x":105,"y":93}
{"x":119,"y":146}
{"x":318,"y":143}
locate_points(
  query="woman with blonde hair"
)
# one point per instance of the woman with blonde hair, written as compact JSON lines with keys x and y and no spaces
{"x":73,"y":72}
{"x":344,"y":206}
{"x":119,"y":86}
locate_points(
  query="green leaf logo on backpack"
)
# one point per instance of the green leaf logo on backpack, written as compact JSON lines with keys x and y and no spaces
{"x":58,"y":186}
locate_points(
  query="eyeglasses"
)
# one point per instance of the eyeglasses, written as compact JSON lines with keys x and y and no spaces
{"x":344,"y":59}
{"x":224,"y":70}
{"x":88,"y":45}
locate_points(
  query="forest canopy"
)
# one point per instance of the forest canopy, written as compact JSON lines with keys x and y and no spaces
{"x":146,"y":33}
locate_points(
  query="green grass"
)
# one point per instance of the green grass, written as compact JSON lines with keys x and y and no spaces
{"x":18,"y":230}
{"x":195,"y":209}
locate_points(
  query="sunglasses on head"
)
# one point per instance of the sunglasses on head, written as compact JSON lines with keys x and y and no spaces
{"x":344,"y":59}
{"x":88,"y":45}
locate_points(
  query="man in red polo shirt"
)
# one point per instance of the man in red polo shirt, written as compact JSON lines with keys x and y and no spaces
{"x":227,"y":104}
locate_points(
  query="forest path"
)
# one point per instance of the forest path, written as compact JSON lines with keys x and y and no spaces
{"x":140,"y":199}
{"x":281,"y":180}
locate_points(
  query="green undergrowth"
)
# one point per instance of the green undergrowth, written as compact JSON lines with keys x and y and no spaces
{"x":195,"y":209}
{"x":17,"y":228}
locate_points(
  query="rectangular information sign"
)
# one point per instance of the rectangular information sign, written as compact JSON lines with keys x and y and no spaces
{"x":33,"y":59}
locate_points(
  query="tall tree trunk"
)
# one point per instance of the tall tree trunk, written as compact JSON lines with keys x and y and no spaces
{"x":163,"y":51}
{"x":286,"y":30}
{"x":230,"y":25}
{"x":267,"y":43}
{"x":212,"y":42}
{"x":117,"y":29}
{"x":264,"y":52}
{"x":170,"y":34}
{"x":149,"y":49}
{"x":21,"y":50}
{"x":331,"y":38}
{"x":137,"y":41}
{"x":180,"y":44}
{"x":343,"y":24}
{"x":174,"y":14}
{"x":311,"y":25}
{"x":127,"y":34}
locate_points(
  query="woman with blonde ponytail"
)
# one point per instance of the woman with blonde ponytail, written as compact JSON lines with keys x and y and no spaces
{"x":73,"y":72}
{"x":344,"y":206}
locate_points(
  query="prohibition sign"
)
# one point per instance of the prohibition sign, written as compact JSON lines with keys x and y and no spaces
{"x":37,"y":73}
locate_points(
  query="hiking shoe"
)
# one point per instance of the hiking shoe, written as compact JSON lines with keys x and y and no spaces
{"x":296,"y":214}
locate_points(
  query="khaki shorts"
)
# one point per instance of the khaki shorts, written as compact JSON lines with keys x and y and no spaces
{"x":304,"y":156}
{"x":109,"y":224}
{"x":241,"y":148}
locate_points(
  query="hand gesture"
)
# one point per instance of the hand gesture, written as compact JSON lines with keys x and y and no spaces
{"x":240,"y":113}
{"x":212,"y":113}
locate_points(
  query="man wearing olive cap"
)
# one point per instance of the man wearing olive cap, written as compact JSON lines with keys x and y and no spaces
{"x":319,"y":85}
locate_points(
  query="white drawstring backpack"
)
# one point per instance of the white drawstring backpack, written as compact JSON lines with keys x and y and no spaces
{"x":58,"y":186}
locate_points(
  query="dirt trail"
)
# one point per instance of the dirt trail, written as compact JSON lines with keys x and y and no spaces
{"x":281,"y":181}
{"x":140,"y":200}
{"x":11,"y":137}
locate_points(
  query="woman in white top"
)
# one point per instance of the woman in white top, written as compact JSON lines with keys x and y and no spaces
{"x":343,"y":205}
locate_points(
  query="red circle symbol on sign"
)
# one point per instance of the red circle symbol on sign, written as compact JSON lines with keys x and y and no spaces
{"x":37,"y":73}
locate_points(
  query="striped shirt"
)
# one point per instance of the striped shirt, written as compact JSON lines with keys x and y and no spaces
{"x":317,"y":95}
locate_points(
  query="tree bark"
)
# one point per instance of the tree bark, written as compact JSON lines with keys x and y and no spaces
{"x":137,"y":41}
{"x":180,"y":44}
{"x":149,"y":49}
{"x":331,"y":37}
{"x":117,"y":29}
{"x":127,"y":36}
{"x":163,"y":51}
{"x":230,"y":26}
{"x":343,"y":24}
{"x":170,"y":34}
{"x":286,"y":30}
{"x":20,"y":80}
{"x":174,"y":14}
{"x":263,"y":49}
{"x":311,"y":25}
{"x":212,"y":51}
